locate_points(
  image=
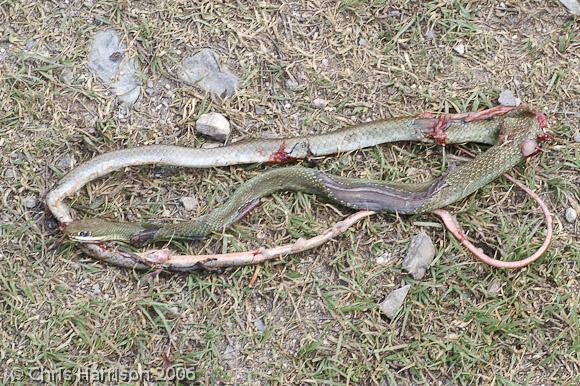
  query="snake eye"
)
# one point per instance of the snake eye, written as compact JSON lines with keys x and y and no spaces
{"x":84,"y":234}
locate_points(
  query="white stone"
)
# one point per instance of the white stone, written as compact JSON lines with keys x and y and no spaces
{"x":213,"y":125}
{"x":571,"y":215}
{"x":30,"y":201}
{"x":189,"y":203}
{"x":507,"y":98}
{"x":460,"y":49}
{"x":319,"y":103}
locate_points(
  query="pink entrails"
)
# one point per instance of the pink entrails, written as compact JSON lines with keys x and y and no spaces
{"x":454,"y":228}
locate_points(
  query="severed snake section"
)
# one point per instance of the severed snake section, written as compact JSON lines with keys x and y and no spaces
{"x":513,"y":132}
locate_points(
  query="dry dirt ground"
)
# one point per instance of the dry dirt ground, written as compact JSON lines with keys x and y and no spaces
{"x":311,"y":318}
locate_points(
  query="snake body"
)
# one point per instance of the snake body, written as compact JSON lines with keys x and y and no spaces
{"x":517,"y":131}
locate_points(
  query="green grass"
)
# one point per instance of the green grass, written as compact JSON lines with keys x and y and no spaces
{"x":60,"y":309}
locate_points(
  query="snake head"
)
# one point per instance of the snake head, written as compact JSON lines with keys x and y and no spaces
{"x":97,"y":230}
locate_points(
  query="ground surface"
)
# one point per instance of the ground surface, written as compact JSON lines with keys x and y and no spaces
{"x":312,"y":318}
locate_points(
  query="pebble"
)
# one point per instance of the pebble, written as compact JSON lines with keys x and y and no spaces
{"x":67,"y":76}
{"x":213,"y":125}
{"x":385,"y":258}
{"x":570,"y":215}
{"x":9,"y":173}
{"x":460,"y":49}
{"x":394,"y":301}
{"x":30,"y":201}
{"x":362,"y":42}
{"x":577,"y":137}
{"x":260,"y":110}
{"x":66,"y":162}
{"x":150,"y":89}
{"x":189,"y":203}
{"x":319,"y":103}
{"x":96,"y":289}
{"x":419,"y":255}
{"x":507,"y":98}
{"x":260,"y":325}
{"x":202,"y":70}
{"x":494,"y":287}
{"x":292,"y":84}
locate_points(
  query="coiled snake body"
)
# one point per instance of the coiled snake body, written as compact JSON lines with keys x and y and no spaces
{"x":512,"y":132}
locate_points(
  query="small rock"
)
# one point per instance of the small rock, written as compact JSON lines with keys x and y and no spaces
{"x":430,"y":35}
{"x":411,"y":172}
{"x":96,"y":289}
{"x":494,"y":287}
{"x":173,"y":311}
{"x":30,"y":201}
{"x":362,"y":42}
{"x":385,"y":258}
{"x":319,"y":103}
{"x":507,"y":98}
{"x":189,"y":203}
{"x":107,"y":59}
{"x":213,"y":125}
{"x":230,"y":354}
{"x":292,"y":84}
{"x":260,"y":325}
{"x":419,"y":255}
{"x":67,"y":76}
{"x":150,"y":89}
{"x":572,"y":5}
{"x":10,"y":173}
{"x":571,"y":215}
{"x":260,"y":110}
{"x":460,"y":49}
{"x":394,"y":301}
{"x":203,"y":70}
{"x":577,"y":137}
{"x":66,"y":162}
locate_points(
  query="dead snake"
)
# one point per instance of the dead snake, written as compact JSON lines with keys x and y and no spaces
{"x":513,"y":132}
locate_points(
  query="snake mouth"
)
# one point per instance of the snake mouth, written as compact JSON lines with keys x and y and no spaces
{"x":88,"y":239}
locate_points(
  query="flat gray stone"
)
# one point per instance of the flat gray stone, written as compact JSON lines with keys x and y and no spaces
{"x":260,"y":325}
{"x":109,"y":61}
{"x":394,"y":301}
{"x":419,"y":255}
{"x":66,"y":162}
{"x":572,"y":5}
{"x":202,"y":70}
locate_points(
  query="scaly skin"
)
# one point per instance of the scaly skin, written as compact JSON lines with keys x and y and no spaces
{"x":515,"y":129}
